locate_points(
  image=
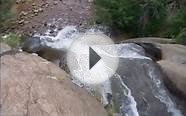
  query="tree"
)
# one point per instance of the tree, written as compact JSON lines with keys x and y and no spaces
{"x":140,"y":17}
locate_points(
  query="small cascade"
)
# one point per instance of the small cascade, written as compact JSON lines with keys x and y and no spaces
{"x":126,"y":101}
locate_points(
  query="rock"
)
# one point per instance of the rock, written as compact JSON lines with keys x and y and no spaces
{"x":36,"y":11}
{"x":53,"y":26}
{"x":39,"y":88}
{"x":32,"y":45}
{"x":45,"y":24}
{"x":176,"y":77}
{"x":137,"y":86}
{"x":151,"y":50}
{"x":173,"y":65}
{"x":21,"y":21}
{"x":40,"y":10}
{"x":23,"y":13}
{"x":4,"y":48}
{"x":33,"y":4}
{"x":135,"y":73}
{"x":18,"y":1}
{"x":151,"y":40}
{"x":174,"y":53}
{"x":55,"y":2}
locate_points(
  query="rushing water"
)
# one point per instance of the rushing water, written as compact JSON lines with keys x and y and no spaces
{"x":63,"y":40}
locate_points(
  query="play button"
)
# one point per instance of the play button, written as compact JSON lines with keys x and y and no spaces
{"x":91,"y":58}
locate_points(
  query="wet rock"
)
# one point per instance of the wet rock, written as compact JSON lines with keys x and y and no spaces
{"x":136,"y":75}
{"x":52,"y":26}
{"x":32,"y":45}
{"x":151,"y":50}
{"x":45,"y":24}
{"x":40,"y":88}
{"x":4,"y":48}
{"x":175,"y":78}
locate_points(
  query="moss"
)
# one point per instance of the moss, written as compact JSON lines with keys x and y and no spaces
{"x":110,"y":110}
{"x":11,"y":39}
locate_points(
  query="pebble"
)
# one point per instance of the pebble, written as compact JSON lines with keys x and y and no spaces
{"x":18,"y":1}
{"x":40,"y":10}
{"x":55,"y":2}
{"x":36,"y":11}
{"x":23,"y":13}
{"x":45,"y":24}
{"x":21,"y":21}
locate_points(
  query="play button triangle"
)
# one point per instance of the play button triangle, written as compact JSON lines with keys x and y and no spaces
{"x":93,"y":58}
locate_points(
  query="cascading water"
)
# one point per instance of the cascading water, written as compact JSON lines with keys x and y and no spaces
{"x":128,"y":105}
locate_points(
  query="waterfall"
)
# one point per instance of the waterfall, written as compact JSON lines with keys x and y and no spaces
{"x":131,"y":51}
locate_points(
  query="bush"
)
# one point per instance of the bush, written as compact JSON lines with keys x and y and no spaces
{"x":181,"y":38}
{"x":5,"y":14}
{"x":11,"y":39}
{"x":178,"y":23}
{"x":139,"y":17}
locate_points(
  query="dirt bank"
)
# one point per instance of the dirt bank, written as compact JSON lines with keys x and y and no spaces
{"x":37,"y":15}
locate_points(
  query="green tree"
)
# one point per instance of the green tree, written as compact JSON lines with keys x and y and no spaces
{"x":139,"y":17}
{"x":178,"y":23}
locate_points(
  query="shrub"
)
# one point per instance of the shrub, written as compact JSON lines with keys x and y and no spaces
{"x":5,"y":14}
{"x":139,"y":17}
{"x":11,"y":39}
{"x":181,"y":38}
{"x":178,"y":23}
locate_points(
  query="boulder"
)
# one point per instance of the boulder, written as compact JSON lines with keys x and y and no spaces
{"x":173,"y":65}
{"x":137,"y":86}
{"x":34,"y":45}
{"x":176,"y":77}
{"x":151,"y":50}
{"x":33,"y":86}
{"x":173,"y":53}
{"x":135,"y":74}
{"x":4,"y":48}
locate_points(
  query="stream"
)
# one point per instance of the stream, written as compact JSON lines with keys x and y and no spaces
{"x":136,"y":88}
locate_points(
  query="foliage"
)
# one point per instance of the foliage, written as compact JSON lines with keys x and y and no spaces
{"x":5,"y":14}
{"x":181,"y":38}
{"x":178,"y":23}
{"x":11,"y":39}
{"x":140,"y":17}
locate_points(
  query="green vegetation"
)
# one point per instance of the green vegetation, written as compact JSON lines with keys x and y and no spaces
{"x":11,"y":39}
{"x":139,"y":17}
{"x":178,"y":23}
{"x":144,"y":17}
{"x":181,"y":37}
{"x":5,"y":14}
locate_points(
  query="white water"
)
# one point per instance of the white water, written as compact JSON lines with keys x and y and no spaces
{"x":129,"y":109}
{"x":64,"y":39}
{"x":160,"y":93}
